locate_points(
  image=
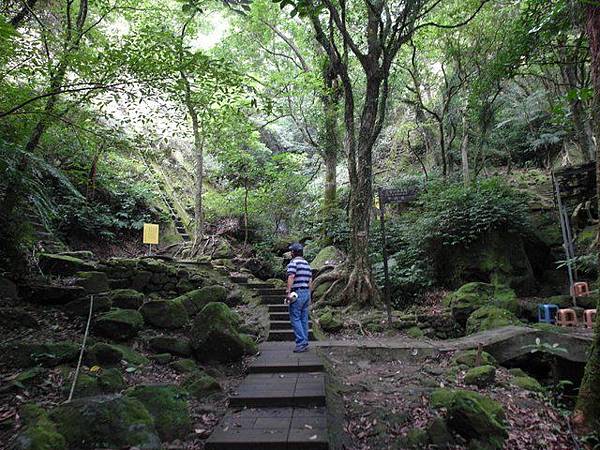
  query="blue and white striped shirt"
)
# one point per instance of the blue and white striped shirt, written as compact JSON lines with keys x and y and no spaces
{"x":301,"y":271}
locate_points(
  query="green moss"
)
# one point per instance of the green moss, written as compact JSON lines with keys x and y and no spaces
{"x":184,"y":365}
{"x":131,"y":356}
{"x":103,"y":354}
{"x":472,"y":415}
{"x":250,"y":345}
{"x":489,"y":318}
{"x":92,"y":282}
{"x":107,"y":381}
{"x":528,"y":383}
{"x":126,"y":298}
{"x":415,"y":332}
{"x":165,"y":314}
{"x":516,"y":372}
{"x":215,"y":335}
{"x":40,"y":432}
{"x":416,"y":438}
{"x":475,"y":295}
{"x":328,"y":323}
{"x":168,"y":406}
{"x":62,"y":264}
{"x":469,"y":358}
{"x":194,"y":301}
{"x":101,"y":422}
{"x":119,"y":324}
{"x":481,"y":376}
{"x":329,"y":256}
{"x":170,"y":344}
{"x":200,"y":384}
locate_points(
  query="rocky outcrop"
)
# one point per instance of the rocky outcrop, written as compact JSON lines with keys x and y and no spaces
{"x":62,"y":264}
{"x":215,"y":335}
{"x":164,"y":314}
{"x":171,"y":344}
{"x":474,"y":295}
{"x":489,"y":318}
{"x":119,"y":324}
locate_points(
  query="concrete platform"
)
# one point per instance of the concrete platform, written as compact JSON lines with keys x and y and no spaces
{"x":279,"y":357}
{"x":286,"y":335}
{"x":284,"y":324}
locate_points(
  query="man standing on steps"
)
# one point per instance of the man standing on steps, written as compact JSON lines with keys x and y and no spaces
{"x":299,"y":285}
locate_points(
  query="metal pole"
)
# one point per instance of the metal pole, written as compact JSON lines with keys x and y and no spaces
{"x":386,"y":286}
{"x":564,"y":225}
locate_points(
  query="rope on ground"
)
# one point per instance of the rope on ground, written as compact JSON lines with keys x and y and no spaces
{"x":87,"y":329}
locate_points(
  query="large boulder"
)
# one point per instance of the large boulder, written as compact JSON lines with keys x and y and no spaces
{"x":475,"y":417}
{"x":92,"y":282}
{"x":103,"y":354}
{"x":490,"y":317}
{"x":197,"y":299}
{"x":474,"y":295}
{"x":329,"y":256}
{"x":168,"y":406}
{"x":126,"y":298}
{"x":30,"y":354}
{"x":106,"y":381}
{"x":200,"y":384}
{"x":39,"y":432}
{"x":106,"y":422}
{"x":119,"y":324}
{"x":215,"y":335}
{"x":170,"y":344}
{"x":165,"y":314}
{"x":471,"y":358}
{"x":481,"y":376}
{"x":328,"y":323}
{"x":62,"y":264}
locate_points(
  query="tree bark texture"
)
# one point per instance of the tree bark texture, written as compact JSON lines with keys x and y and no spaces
{"x":587,"y":409}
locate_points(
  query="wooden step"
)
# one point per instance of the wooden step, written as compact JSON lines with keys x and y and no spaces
{"x":273,"y":299}
{"x":286,"y":335}
{"x":279,"y":315}
{"x":238,"y":279}
{"x":272,"y":291}
{"x":284,"y":324}
{"x":278,"y":308}
{"x":259,"y":286}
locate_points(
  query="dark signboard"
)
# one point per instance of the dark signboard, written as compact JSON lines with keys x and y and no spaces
{"x":397,"y":195}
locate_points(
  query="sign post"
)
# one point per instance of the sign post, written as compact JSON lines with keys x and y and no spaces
{"x":397,"y":196}
{"x":150,"y":236}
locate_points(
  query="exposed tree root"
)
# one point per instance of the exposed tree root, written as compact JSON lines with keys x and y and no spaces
{"x":359,"y":290}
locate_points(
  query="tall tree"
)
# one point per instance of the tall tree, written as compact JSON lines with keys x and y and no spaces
{"x":587,"y":410}
{"x":386,"y":27}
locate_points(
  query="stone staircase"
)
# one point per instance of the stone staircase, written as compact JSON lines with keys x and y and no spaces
{"x":281,"y":404}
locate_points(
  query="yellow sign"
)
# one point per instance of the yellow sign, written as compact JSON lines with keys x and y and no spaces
{"x":150,"y":233}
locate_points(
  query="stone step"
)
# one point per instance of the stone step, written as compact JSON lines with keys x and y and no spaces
{"x":238,"y":279}
{"x":273,"y":291}
{"x":279,"y":315}
{"x":286,"y":335}
{"x":278,"y":308}
{"x":272,"y":299}
{"x":284,"y":324}
{"x":279,"y":357}
{"x":280,"y":389}
{"x":258,"y":286}
{"x":271,"y":428}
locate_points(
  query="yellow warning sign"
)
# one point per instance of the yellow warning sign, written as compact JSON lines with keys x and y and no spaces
{"x":150,"y":233}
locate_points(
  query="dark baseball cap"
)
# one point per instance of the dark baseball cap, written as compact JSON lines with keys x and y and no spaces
{"x":296,"y":247}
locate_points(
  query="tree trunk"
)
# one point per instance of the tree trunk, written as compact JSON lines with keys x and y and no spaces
{"x":330,"y":144}
{"x":581,"y":125}
{"x":198,"y":159}
{"x":91,"y":183}
{"x":587,"y":409}
{"x":245,"y":213}
{"x":464,"y":147}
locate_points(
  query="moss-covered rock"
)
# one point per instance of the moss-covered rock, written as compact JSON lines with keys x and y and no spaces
{"x":481,"y":376}
{"x":14,"y":318}
{"x":195,"y":300}
{"x":469,"y":359}
{"x":329,"y":256}
{"x":28,"y":354}
{"x":62,"y":264}
{"x":171,"y":344}
{"x":119,"y":324}
{"x":106,"y":422}
{"x":184,"y":365}
{"x":93,"y":282}
{"x":416,"y":438}
{"x":439,"y":435}
{"x":474,"y":295}
{"x":528,"y":383}
{"x":215,"y":335}
{"x":415,"y":332}
{"x":81,"y":306}
{"x":168,"y":406}
{"x":490,"y":317}
{"x":200,"y":384}
{"x":106,"y":381}
{"x":40,"y":432}
{"x":162,"y":358}
{"x":126,"y":298}
{"x":328,"y":323}
{"x":103,"y":354}
{"x":473,"y":416}
{"x":165,"y":314}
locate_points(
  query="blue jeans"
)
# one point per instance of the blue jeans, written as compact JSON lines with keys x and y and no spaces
{"x":299,"y":317}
